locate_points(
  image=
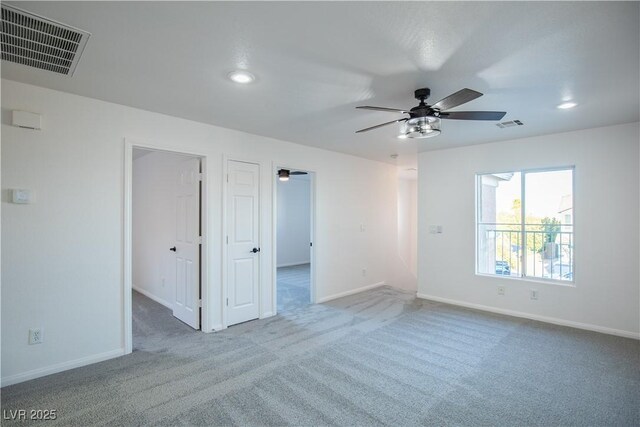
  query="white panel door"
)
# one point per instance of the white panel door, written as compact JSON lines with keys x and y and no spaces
{"x":186,"y":304}
{"x":243,"y":265}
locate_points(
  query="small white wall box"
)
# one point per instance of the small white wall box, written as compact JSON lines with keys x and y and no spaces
{"x":24,"y":119}
{"x":22,"y":197}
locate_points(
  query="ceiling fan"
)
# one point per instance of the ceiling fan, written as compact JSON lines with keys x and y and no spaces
{"x":424,"y":120}
{"x":283,"y":174}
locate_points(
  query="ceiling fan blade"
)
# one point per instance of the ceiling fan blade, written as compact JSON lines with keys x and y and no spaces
{"x":391,"y":110}
{"x":473,"y":115}
{"x":460,"y":97}
{"x":379,"y":126}
{"x":297,"y":173}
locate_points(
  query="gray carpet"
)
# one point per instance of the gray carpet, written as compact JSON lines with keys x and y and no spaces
{"x":293,"y":284}
{"x":377,"y":358}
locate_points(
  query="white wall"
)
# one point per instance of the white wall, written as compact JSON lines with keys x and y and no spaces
{"x":607,"y":283}
{"x":294,"y":221}
{"x":62,"y":262}
{"x":154,"y":225}
{"x":408,"y":223}
{"x":407,"y":275}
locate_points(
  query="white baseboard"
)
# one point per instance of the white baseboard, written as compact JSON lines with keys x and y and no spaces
{"x":553,"y":320}
{"x":64,"y":366}
{"x":292,"y":264}
{"x":351,"y":292}
{"x":153,"y":297}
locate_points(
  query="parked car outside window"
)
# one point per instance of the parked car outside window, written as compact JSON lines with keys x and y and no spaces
{"x":503,"y":267}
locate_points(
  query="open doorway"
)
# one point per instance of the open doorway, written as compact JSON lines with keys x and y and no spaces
{"x":294,"y":239}
{"x":166,"y":236}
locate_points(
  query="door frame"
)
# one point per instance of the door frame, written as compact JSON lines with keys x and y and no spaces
{"x":225,"y":249}
{"x":127,"y":315}
{"x":313,"y":176}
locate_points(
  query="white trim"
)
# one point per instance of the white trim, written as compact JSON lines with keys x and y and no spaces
{"x":293,"y":264}
{"x":553,"y":320}
{"x":152,"y":296}
{"x":224,"y":242}
{"x":530,"y":279}
{"x":64,"y":366}
{"x":217,"y":327}
{"x":127,"y":279}
{"x":351,"y":292}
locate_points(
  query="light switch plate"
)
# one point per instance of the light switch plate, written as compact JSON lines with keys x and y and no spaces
{"x":21,"y":196}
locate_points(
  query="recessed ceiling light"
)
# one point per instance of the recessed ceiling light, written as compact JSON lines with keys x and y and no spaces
{"x":241,"y":76}
{"x":566,"y":105}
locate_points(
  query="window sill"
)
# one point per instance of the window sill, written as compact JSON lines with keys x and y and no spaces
{"x":564,"y":283}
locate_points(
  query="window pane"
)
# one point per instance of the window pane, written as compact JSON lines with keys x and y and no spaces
{"x":549,"y":224}
{"x":499,"y":225}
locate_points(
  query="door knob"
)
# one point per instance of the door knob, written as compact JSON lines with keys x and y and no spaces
{"x":173,"y":249}
{"x":255,"y":250}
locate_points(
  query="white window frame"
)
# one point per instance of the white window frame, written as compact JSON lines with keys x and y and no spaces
{"x":523,"y":276}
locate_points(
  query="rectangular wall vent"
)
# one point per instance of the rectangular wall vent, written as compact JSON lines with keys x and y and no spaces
{"x":509,"y":124}
{"x":39,"y":42}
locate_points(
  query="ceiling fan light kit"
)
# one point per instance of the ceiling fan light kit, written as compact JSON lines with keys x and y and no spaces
{"x":284,"y":174}
{"x":420,"y":127}
{"x":424,"y":120}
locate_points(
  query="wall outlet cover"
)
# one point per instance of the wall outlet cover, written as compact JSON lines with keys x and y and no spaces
{"x":35,"y":336}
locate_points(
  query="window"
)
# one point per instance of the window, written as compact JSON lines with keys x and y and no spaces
{"x":525,"y":224}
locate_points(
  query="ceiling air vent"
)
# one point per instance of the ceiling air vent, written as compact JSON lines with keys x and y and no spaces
{"x":509,"y":124}
{"x":38,"y":42}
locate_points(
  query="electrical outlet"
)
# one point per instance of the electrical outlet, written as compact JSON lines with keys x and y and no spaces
{"x":35,"y":336}
{"x":364,"y":272}
{"x":500,"y":290}
{"x":534,"y":294}
{"x":435,"y":229}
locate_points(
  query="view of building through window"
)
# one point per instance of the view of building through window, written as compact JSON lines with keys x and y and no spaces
{"x":525,"y":224}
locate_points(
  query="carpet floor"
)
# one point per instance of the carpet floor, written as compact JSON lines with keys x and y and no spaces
{"x":381,"y":357}
{"x":294,"y":284}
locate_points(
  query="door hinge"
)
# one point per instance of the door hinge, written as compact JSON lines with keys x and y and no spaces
{"x":227,"y":240}
{"x":200,"y":240}
{"x":227,"y":177}
{"x":200,"y":303}
{"x":200,"y":176}
{"x":227,"y":301}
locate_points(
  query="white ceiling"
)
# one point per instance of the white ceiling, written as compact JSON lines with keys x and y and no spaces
{"x":315,"y":62}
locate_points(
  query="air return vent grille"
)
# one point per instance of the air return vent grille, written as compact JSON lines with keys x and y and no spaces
{"x":38,"y":42}
{"x":509,"y":124}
